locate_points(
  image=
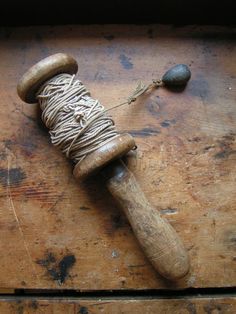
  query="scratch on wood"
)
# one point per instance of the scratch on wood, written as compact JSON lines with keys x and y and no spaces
{"x":16,"y":217}
{"x":54,"y":205}
{"x":60,"y":197}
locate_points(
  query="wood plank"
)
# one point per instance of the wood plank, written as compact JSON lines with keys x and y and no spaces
{"x":185,"y":160}
{"x":208,"y":305}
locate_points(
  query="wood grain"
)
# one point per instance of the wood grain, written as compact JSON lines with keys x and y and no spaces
{"x":208,"y":305}
{"x":56,"y":233}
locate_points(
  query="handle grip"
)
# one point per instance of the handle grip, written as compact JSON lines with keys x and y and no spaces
{"x":157,"y":237}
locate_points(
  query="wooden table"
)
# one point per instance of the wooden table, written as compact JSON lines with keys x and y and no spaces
{"x":60,"y":235}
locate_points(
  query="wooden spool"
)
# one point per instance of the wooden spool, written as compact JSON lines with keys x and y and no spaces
{"x":156,"y":236}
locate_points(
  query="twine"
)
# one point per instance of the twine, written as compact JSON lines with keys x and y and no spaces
{"x":78,"y":123}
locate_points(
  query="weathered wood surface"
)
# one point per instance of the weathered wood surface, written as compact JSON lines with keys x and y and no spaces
{"x":56,"y":233}
{"x":219,"y":305}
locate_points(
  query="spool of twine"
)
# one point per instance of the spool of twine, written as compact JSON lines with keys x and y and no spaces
{"x":78,"y":123}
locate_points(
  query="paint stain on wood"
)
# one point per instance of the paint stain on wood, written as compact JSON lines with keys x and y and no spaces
{"x":49,"y":258}
{"x":155,"y":105}
{"x":191,"y":308}
{"x":230,"y":239}
{"x":145,"y":132}
{"x":57,"y":270}
{"x":215,"y":308}
{"x":26,"y":144}
{"x":33,"y":304}
{"x":126,"y":62}
{"x":168,"y":210}
{"x":83,"y":310}
{"x":226,"y":146}
{"x":13,"y":176}
{"x":199,"y":87}
{"x":167,"y":123}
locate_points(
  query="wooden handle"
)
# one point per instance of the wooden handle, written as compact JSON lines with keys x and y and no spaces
{"x":158,"y":239}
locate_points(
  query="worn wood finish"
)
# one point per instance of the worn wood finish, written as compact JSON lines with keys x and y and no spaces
{"x":158,"y":239}
{"x":95,"y":161}
{"x":39,"y":73}
{"x":208,"y":305}
{"x":185,"y":162}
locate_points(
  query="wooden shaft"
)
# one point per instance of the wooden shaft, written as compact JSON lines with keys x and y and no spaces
{"x":156,"y":236}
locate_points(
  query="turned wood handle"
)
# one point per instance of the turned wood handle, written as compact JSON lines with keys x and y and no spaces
{"x":157,"y":237}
